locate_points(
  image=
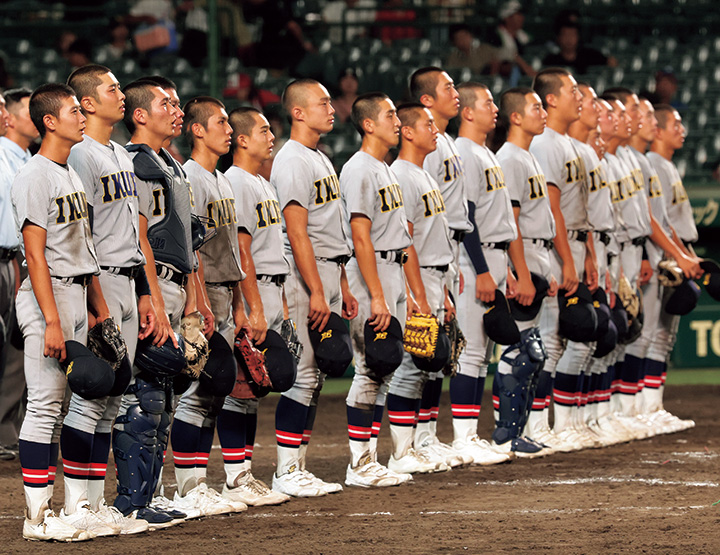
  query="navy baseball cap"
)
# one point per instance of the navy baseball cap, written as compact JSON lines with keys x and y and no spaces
{"x":279,"y":362}
{"x":683,"y":299}
{"x":602,"y":311}
{"x":620,"y":318}
{"x":577,"y":321}
{"x":499,"y":323}
{"x":526,"y":313}
{"x":88,"y":375}
{"x":332,"y":347}
{"x":711,"y":279}
{"x":123,"y":375}
{"x":439,"y":359}
{"x":220,"y":372}
{"x":607,"y":342}
{"x":383,"y":349}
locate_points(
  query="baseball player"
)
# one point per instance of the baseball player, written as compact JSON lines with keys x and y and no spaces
{"x":573,"y":257}
{"x":427,"y":271}
{"x":309,"y":195}
{"x":435,"y":89}
{"x":207,"y":130}
{"x":259,"y":227}
{"x":379,"y":229}
{"x":51,"y":216}
{"x":106,"y":171}
{"x":520,"y":367}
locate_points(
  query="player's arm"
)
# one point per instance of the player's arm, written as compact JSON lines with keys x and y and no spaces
{"x":688,"y":264}
{"x":450,"y":312}
{"x":524,"y":289}
{"x":249,"y":287}
{"x":414,"y":279}
{"x":16,"y":271}
{"x":96,"y":301}
{"x":591,"y":267}
{"x":360,"y":226}
{"x":484,"y":282}
{"x":238,"y":311}
{"x":163,"y":329}
{"x":202,"y":301}
{"x":35,"y":239}
{"x":146,"y":312}
{"x":562,"y":245}
{"x":349,"y":302}
{"x":296,"y":220}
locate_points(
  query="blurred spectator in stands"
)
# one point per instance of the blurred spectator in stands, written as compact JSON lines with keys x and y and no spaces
{"x":510,"y":39}
{"x":79,"y":53}
{"x":195,"y":37}
{"x":156,"y":33}
{"x":469,"y":52}
{"x":572,"y":54}
{"x":241,"y":87}
{"x":6,"y":80}
{"x":666,"y":87}
{"x":358,"y":14}
{"x":119,"y":44}
{"x":394,"y":11}
{"x":64,"y":41}
{"x":348,"y":91}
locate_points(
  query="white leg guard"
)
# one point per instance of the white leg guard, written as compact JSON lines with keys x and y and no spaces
{"x":402,"y":440}
{"x":288,"y":460}
{"x":464,"y":428}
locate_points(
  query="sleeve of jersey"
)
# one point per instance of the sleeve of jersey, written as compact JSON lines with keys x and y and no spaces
{"x":200,"y":196}
{"x":85,"y":167}
{"x":414,"y":209}
{"x":359,"y":192}
{"x":33,"y":199}
{"x":145,"y":197}
{"x":515,"y":179}
{"x":550,"y":164}
{"x":246,"y":202}
{"x":665,"y":182}
{"x":473,"y":177}
{"x":294,"y":183}
{"x":473,"y":246}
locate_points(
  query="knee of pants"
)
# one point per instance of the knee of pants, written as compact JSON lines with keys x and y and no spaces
{"x":575,"y":358}
{"x":408,"y":380}
{"x":85,"y":415}
{"x":43,"y":421}
{"x":363,"y":392}
{"x":307,"y":386}
{"x":470,"y":369}
{"x":194,"y":405}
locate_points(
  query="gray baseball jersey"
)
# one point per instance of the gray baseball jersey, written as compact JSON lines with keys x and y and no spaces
{"x":214,"y":199}
{"x":258,"y":212}
{"x":639,"y":196}
{"x":370,"y":188}
{"x":653,"y":189}
{"x":600,"y":210}
{"x":52,"y":197}
{"x":526,"y":184}
{"x":425,"y":209}
{"x":678,"y":206}
{"x":306,"y":176}
{"x":445,"y":165}
{"x":107,"y":173}
{"x":562,"y":166}
{"x":485,"y":188}
{"x":623,"y":188}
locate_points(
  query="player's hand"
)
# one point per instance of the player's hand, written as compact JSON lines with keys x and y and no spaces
{"x":646,"y":272}
{"x":423,"y":306}
{"x":461,"y":278}
{"x":570,"y":279}
{"x":485,"y":287}
{"x":92,"y":320}
{"x":163,"y":329}
{"x":54,"y":341}
{"x":258,"y":326}
{"x":591,"y":273}
{"x":524,"y":291}
{"x":208,"y":319}
{"x":553,"y":289}
{"x":379,"y":314}
{"x":450,"y":313}
{"x":690,"y":267}
{"x":242,"y":322}
{"x":349,"y":305}
{"x":319,"y":312}
{"x":146,"y":316}
{"x":412,"y":306}
{"x":510,"y":285}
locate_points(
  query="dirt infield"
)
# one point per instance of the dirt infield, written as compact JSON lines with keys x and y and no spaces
{"x":653,"y":496}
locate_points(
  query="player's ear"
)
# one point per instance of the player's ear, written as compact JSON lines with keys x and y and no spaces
{"x":550,"y":101}
{"x":297,"y":113}
{"x":50,"y":122}
{"x":427,"y":100}
{"x":467,"y":114}
{"x":407,"y":132}
{"x":368,"y":125}
{"x":516,"y":118}
{"x":87,"y":104}
{"x":198,"y":130}
{"x":140,"y":116}
{"x":242,"y":141}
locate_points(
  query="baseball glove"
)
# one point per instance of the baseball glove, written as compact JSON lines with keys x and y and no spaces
{"x":106,"y":342}
{"x":457,"y":345}
{"x":196,"y":344}
{"x":669,"y":274}
{"x":421,"y":334}
{"x":288,"y":332}
{"x":628,"y":297}
{"x":253,"y":380}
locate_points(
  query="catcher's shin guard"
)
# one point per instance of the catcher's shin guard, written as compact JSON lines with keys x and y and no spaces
{"x":135,"y":446}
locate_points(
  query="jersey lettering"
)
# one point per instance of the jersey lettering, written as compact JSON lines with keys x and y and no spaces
{"x":118,"y":186}
{"x":654,"y":187}
{"x":637,"y":178}
{"x":596,"y":180}
{"x":390,"y":198}
{"x":222,"y":212}
{"x":433,"y":202}
{"x":158,"y":207}
{"x":495,"y":179}
{"x":679,"y":194}
{"x":327,"y":189}
{"x":71,"y":208}
{"x":268,"y":213}
{"x":615,"y":195}
{"x":453,"y":168}
{"x":574,"y":170}
{"x":537,"y":186}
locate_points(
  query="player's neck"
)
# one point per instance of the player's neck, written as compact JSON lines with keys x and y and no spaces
{"x":411,"y":154}
{"x":440,"y":122}
{"x":305,"y":136}
{"x":611,"y":145}
{"x":519,"y":138}
{"x":638,"y":144}
{"x":141,"y":137}
{"x":557,"y":123}
{"x":247,"y":163}
{"x":57,"y":150}
{"x":579,"y":131}
{"x":662,"y":149}
{"x":98,"y":130}
{"x":18,"y":139}
{"x":472,"y":132}
{"x":205,"y":158}
{"x":374,"y":147}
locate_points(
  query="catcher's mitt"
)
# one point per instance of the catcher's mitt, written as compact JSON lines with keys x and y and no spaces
{"x":253,"y":380}
{"x":628,"y":297}
{"x":106,"y":342}
{"x":669,"y":274}
{"x":288,"y":332}
{"x":196,"y":344}
{"x":421,"y":334}
{"x":457,"y":345}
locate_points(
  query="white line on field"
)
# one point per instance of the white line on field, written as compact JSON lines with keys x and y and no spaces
{"x":600,"y":479}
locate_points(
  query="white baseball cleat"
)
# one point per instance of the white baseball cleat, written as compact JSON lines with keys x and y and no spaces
{"x":85,"y":519}
{"x":200,"y":499}
{"x":297,"y":484}
{"x":125,"y":524}
{"x":414,"y":462}
{"x":452,"y":457}
{"x":247,"y":489}
{"x":49,"y":527}
{"x":481,"y":451}
{"x":374,"y":475}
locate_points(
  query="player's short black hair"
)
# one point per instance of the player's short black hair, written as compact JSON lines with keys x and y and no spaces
{"x":138,"y":94}
{"x":424,"y":81}
{"x":293,"y":94}
{"x":512,"y":101}
{"x":14,"y":96}
{"x":86,"y":79}
{"x":409,"y":112}
{"x":549,"y":81}
{"x":198,"y":110}
{"x":162,"y":82}
{"x":47,"y":100}
{"x":662,"y":113}
{"x":242,"y":121}
{"x":366,"y":106}
{"x":619,"y":93}
{"x":610,"y":98}
{"x":467,"y":95}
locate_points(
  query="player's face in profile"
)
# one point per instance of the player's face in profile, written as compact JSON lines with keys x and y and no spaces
{"x":162,"y":116}
{"x":589,"y":114}
{"x":175,"y":103}
{"x":387,"y":124}
{"x":111,"y":100}
{"x":648,"y":130}
{"x":596,"y":141}
{"x":485,"y":110}
{"x":70,"y":122}
{"x":218,"y":132}
{"x":607,"y":120}
{"x":632,"y":106}
{"x":23,"y":124}
{"x":624,"y":127}
{"x":425,"y":132}
{"x":261,"y":139}
{"x":534,"y":116}
{"x":674,"y":131}
{"x":4,"y":117}
{"x":569,"y":98}
{"x":318,"y":109}
{"x":447,"y":99}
